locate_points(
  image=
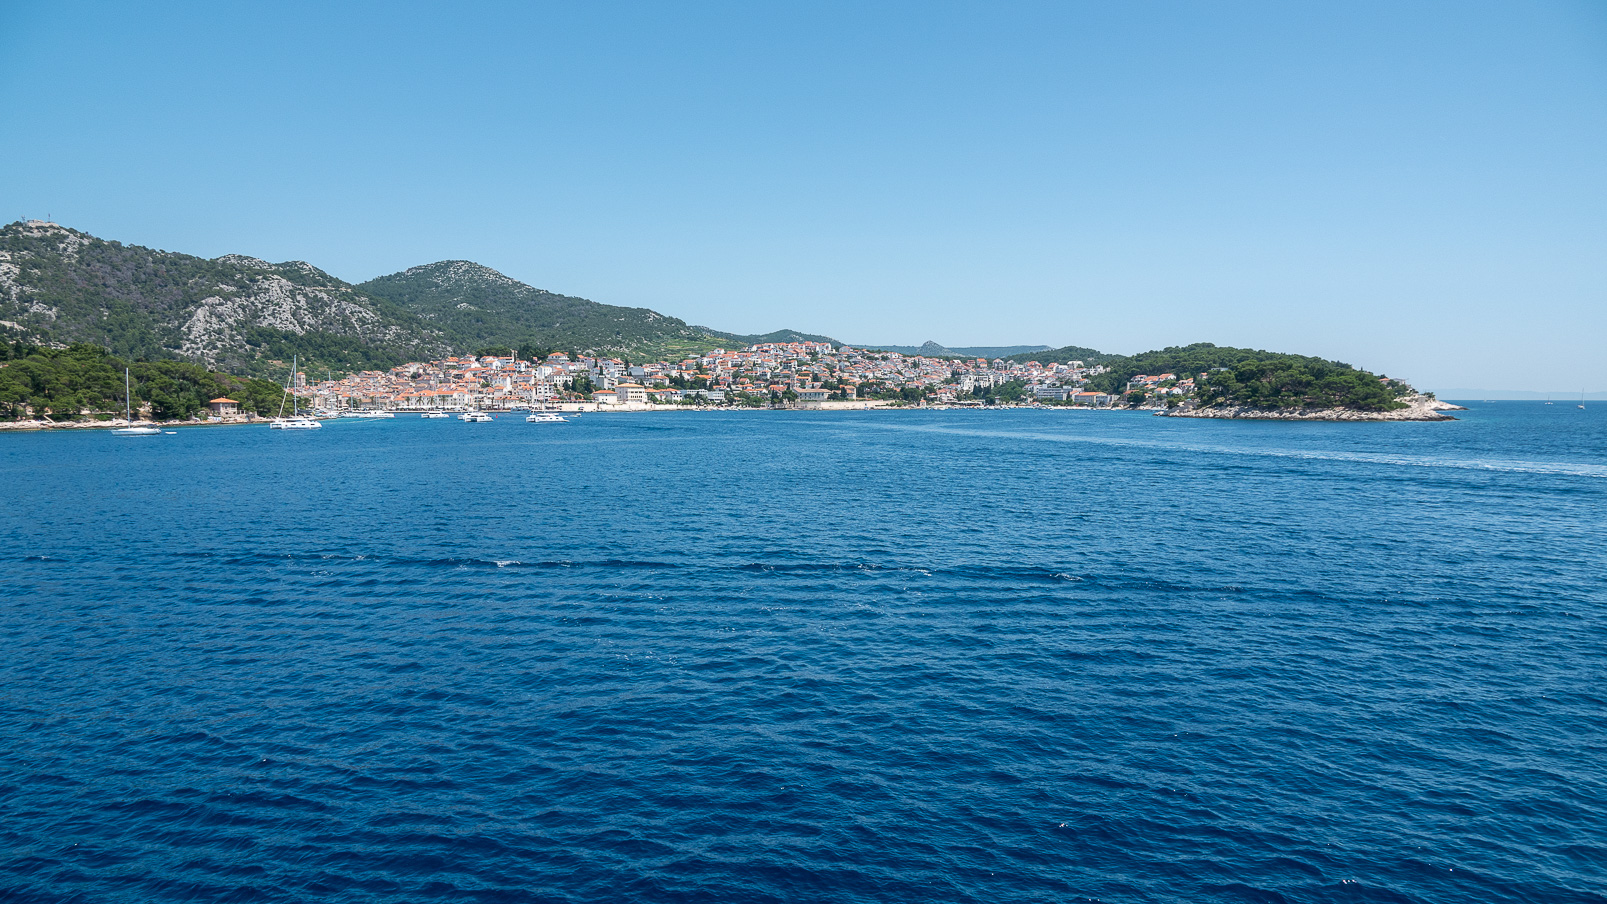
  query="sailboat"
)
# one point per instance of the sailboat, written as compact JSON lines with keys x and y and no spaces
{"x":295,"y":421}
{"x":1581,"y":398}
{"x":144,"y":429}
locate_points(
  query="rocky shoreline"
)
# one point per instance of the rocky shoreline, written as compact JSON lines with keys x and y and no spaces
{"x":114,"y":423}
{"x":1420,"y":408}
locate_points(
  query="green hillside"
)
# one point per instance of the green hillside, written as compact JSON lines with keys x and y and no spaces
{"x":85,"y":381}
{"x":1065,"y":354}
{"x":779,"y":336}
{"x":1243,"y":376}
{"x":931,"y":349}
{"x":475,"y":307}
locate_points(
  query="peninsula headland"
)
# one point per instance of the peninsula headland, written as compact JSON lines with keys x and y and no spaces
{"x":212,"y":339}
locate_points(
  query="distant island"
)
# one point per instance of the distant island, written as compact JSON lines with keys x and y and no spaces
{"x":76,"y":309}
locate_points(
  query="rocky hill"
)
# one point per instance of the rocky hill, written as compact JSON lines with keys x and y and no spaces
{"x":59,"y":286}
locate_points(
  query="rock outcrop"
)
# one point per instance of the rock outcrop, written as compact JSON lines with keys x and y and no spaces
{"x":1418,"y":408}
{"x":59,"y":286}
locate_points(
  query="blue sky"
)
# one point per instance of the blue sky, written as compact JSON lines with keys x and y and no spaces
{"x":1416,"y":188}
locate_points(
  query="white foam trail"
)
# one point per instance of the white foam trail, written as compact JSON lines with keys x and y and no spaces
{"x":1517,"y":466}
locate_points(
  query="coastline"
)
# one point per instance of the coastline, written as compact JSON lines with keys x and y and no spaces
{"x":1421,"y":408}
{"x":114,"y":423}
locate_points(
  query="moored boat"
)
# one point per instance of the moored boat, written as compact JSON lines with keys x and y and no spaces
{"x":134,"y":429}
{"x":296,"y":421}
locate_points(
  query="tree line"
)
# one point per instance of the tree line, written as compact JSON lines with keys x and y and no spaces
{"x":1288,"y":381}
{"x":1243,"y":376}
{"x":85,"y":380}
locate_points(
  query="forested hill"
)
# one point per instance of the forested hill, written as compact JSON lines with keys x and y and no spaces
{"x":1254,"y":377}
{"x":83,"y":379}
{"x":932,"y":349}
{"x":475,"y":307}
{"x":740,"y":340}
{"x":59,"y":286}
{"x":1065,"y":354}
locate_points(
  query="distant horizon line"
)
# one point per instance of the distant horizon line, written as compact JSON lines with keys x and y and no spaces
{"x":1517,"y":395}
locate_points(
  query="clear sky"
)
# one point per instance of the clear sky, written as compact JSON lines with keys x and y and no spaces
{"x":1415,"y":188}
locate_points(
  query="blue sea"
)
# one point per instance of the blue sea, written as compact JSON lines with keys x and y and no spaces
{"x":971,"y":656}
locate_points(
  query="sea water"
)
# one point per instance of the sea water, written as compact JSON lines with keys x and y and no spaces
{"x":990,"y":656}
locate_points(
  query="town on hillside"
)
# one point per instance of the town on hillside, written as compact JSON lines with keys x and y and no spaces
{"x":792,"y":375}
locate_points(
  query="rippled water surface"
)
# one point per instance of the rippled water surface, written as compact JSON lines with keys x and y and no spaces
{"x":906,"y":656}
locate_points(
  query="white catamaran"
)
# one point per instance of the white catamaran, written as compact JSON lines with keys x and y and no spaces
{"x":128,"y":415}
{"x":295,"y":421}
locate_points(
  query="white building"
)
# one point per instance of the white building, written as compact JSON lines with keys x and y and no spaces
{"x":811,"y":398}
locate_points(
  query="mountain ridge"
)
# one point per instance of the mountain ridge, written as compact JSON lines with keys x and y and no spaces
{"x":60,"y":286}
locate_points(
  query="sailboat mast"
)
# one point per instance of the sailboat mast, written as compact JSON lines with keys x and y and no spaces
{"x":128,"y":399}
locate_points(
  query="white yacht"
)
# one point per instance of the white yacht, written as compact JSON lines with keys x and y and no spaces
{"x":545,"y":417}
{"x":296,"y":421}
{"x":475,"y":417}
{"x":372,"y":415}
{"x":433,"y":414}
{"x":146,"y":429}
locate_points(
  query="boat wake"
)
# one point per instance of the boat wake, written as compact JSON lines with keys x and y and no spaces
{"x":1516,"y":466}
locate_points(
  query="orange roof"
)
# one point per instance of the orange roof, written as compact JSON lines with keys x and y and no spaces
{"x":230,"y":401}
